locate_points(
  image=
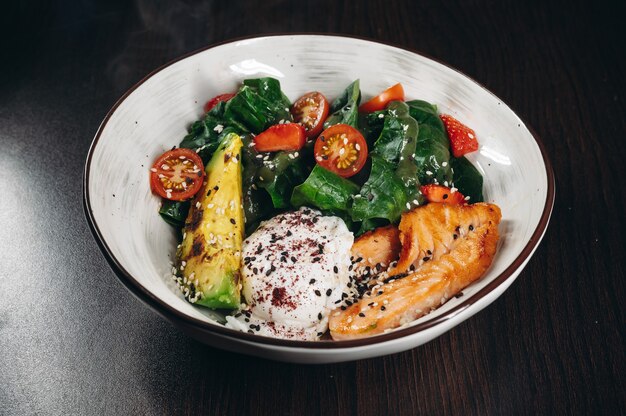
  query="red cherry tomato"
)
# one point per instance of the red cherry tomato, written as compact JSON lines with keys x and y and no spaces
{"x":311,"y":110}
{"x":177,"y":174}
{"x":289,"y":137}
{"x":395,"y":93}
{"x":440,"y":193}
{"x":462,"y":138}
{"x":341,"y":149}
{"x":213,"y":101}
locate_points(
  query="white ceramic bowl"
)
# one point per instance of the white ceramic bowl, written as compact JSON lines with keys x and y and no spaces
{"x":153,"y":115}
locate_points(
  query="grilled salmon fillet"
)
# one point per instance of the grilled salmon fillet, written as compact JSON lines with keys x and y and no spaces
{"x":402,"y":298}
{"x":377,"y":247}
{"x":428,"y":232}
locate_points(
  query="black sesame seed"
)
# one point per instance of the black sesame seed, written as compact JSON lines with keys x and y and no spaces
{"x":429,"y":252}
{"x":343,"y":308}
{"x":335,"y":269}
{"x":267,"y":273}
{"x":319,"y":316}
{"x":250,"y":331}
{"x":246,"y":319}
{"x":454,"y":236}
{"x":358,"y":259}
{"x":252,"y":326}
{"x":318,"y":293}
{"x":350,"y":268}
{"x":311,"y":281}
{"x":471,"y":228}
{"x":382,"y":308}
{"x":380,"y":292}
{"x":370,"y":304}
{"x":255,"y":270}
{"x":361,"y":314}
{"x":445,"y":196}
{"x":216,"y":188}
{"x":232,"y":221}
{"x":293,"y":259}
{"x":328,"y":292}
{"x":426,"y":259}
{"x":314,"y":220}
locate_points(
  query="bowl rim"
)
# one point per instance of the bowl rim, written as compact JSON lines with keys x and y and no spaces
{"x":175,"y":315}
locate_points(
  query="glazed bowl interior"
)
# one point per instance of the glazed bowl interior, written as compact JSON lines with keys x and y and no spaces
{"x":154,"y":115}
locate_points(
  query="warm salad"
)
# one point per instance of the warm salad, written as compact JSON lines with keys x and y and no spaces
{"x":269,"y":196}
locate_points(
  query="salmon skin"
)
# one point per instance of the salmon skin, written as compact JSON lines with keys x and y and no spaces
{"x":398,"y":299}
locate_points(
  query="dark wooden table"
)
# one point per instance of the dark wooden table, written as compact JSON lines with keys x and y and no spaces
{"x":74,"y":341}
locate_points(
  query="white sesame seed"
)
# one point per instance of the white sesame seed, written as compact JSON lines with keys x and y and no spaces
{"x":408,"y":205}
{"x":444,"y":164}
{"x":218,"y":128}
{"x":429,"y":173}
{"x":153,"y":170}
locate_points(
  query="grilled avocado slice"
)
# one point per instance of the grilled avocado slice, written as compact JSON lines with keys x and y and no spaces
{"x":209,"y":255}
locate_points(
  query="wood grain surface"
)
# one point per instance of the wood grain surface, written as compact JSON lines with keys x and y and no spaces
{"x":74,"y":341}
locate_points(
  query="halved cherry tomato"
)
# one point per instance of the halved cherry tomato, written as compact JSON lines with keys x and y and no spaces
{"x":311,"y":110}
{"x":213,"y":101}
{"x":288,"y":137}
{"x":462,"y":138}
{"x":440,"y":193}
{"x":394,"y":93}
{"x":177,"y":174}
{"x":341,"y":149}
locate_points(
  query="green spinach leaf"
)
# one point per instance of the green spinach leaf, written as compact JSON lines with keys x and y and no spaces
{"x":252,"y":111}
{"x":467,"y":179}
{"x":279,"y":174}
{"x":174,"y":212}
{"x":383,"y":195}
{"x":324,"y":190}
{"x":345,"y":108}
